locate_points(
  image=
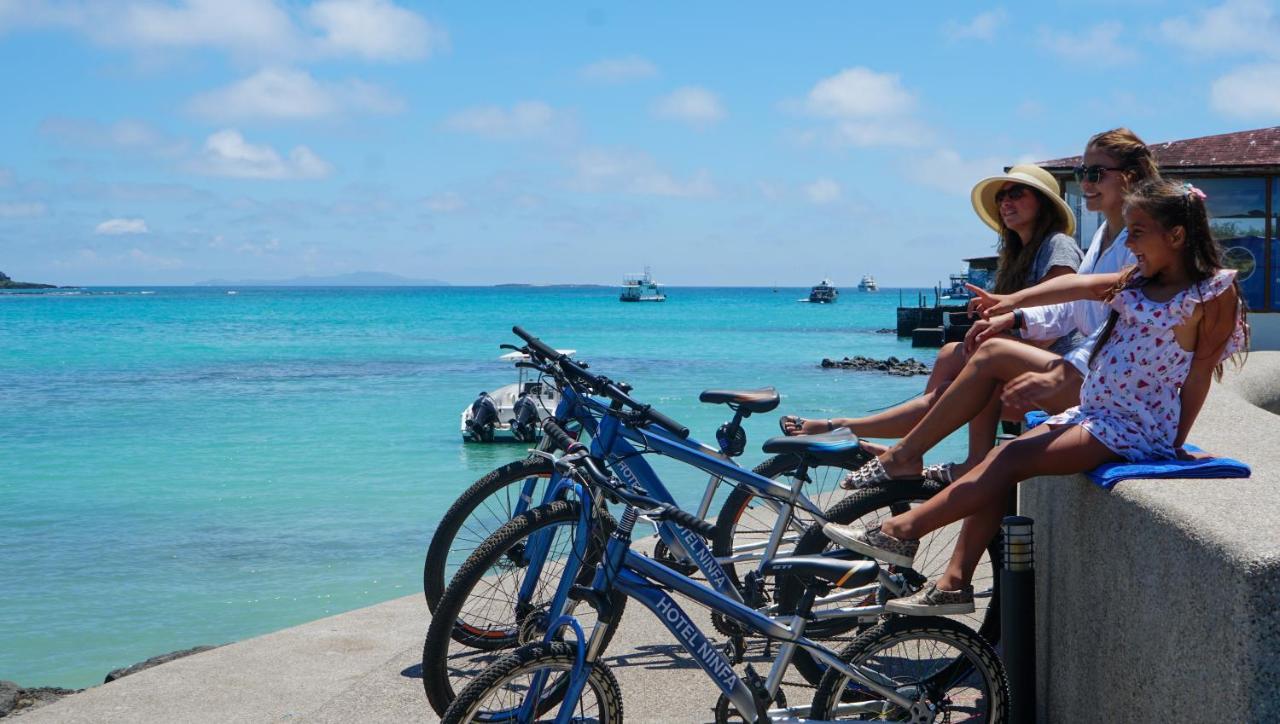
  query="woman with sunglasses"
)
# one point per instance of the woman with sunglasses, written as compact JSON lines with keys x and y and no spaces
{"x":1114,"y":161}
{"x":1025,"y":207}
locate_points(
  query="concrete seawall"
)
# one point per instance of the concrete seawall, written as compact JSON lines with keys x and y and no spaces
{"x":1160,"y":600}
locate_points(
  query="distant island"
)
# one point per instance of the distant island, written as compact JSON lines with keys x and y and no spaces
{"x":353,"y":279}
{"x":7,"y":283}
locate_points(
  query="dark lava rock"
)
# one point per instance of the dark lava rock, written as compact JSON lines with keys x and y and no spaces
{"x":154,"y":661}
{"x":892,"y":365}
{"x":886,"y":331}
{"x":14,"y":698}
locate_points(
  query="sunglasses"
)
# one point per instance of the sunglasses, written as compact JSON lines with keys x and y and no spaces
{"x":1014,"y":193}
{"x":1092,"y":174}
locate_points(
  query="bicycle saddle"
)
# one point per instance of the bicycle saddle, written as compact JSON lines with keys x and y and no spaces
{"x":836,"y":447}
{"x":839,"y":573}
{"x":761,"y":400}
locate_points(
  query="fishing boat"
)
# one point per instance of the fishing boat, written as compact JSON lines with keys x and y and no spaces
{"x":823,"y":293}
{"x":868,"y":284}
{"x":641,"y":288}
{"x":511,"y":413}
{"x":957,"y":291}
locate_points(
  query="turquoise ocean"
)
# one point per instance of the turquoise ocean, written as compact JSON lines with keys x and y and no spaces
{"x":185,"y":466}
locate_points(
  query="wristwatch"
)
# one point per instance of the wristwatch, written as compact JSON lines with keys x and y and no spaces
{"x":1019,"y":319}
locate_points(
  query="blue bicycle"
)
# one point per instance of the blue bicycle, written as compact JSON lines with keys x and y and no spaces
{"x":506,"y":592}
{"x":905,"y":669}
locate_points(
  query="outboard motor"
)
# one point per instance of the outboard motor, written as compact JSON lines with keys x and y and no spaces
{"x":524,"y":426}
{"x":484,"y":413}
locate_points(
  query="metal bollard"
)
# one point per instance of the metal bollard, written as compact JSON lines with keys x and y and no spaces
{"x":1018,"y":617}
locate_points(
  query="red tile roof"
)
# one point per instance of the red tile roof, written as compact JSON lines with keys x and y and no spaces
{"x":1244,"y":150}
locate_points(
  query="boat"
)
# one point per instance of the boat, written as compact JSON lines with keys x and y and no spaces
{"x":511,"y":413}
{"x":641,"y":288}
{"x":823,"y":293}
{"x":957,"y":292}
{"x":868,"y":284}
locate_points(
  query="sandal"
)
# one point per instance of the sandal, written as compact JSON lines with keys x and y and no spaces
{"x":793,"y":420}
{"x":871,"y":473}
{"x":943,"y":473}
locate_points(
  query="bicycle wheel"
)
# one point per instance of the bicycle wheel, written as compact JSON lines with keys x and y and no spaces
{"x":480,"y":612}
{"x":932,"y":661}
{"x":871,"y":506}
{"x":746,"y":521}
{"x":496,"y":695}
{"x":483,"y":508}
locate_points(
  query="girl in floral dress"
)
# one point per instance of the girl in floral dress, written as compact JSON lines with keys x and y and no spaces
{"x":1176,"y":316}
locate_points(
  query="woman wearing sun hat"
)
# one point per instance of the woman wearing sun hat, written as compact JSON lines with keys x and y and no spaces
{"x":1025,"y":207}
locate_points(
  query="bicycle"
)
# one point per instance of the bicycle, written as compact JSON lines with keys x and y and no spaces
{"x":862,"y":680}
{"x":517,"y":553}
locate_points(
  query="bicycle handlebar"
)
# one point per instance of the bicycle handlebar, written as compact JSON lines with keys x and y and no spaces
{"x":562,"y":439}
{"x":602,"y":385}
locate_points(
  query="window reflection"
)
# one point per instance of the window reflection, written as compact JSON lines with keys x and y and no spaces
{"x":1238,"y":220}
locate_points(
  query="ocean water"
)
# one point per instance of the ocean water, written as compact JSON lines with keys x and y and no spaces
{"x":184,"y":466}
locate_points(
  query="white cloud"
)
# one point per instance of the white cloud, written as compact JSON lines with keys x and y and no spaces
{"x":690,"y":104}
{"x":118,"y":227}
{"x":226,"y":153}
{"x":446,"y":202}
{"x":251,"y":29}
{"x":374,"y":29}
{"x":1099,"y":46}
{"x":127,"y":135}
{"x":635,"y":173}
{"x":528,"y":118}
{"x":823,"y":191}
{"x":981,"y":27}
{"x":860,"y":93}
{"x":21,"y":209}
{"x":1249,"y":92}
{"x":1234,"y":27}
{"x":287,"y":94}
{"x":619,"y":70}
{"x":946,"y":170}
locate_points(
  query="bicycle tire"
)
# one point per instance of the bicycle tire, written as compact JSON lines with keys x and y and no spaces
{"x":474,"y":644}
{"x":497,"y":491}
{"x":873,"y":504}
{"x":981,"y":670}
{"x":525,"y":661}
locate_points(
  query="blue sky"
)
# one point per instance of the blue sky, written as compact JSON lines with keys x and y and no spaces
{"x":169,"y":142}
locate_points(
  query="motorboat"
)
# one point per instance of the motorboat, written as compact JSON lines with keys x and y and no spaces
{"x":641,"y":288}
{"x":511,"y":413}
{"x":823,"y":293}
{"x":868,"y":284}
{"x":957,"y":291}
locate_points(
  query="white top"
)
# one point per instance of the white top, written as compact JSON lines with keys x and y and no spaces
{"x":1052,"y":321}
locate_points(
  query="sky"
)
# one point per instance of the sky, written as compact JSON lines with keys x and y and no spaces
{"x":148,"y":142}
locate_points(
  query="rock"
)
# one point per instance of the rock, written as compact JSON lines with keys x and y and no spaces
{"x":886,"y":331}
{"x":893,"y":366}
{"x":14,"y":698}
{"x":154,"y":661}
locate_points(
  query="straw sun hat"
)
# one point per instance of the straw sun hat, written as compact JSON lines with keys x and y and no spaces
{"x":1027,"y":174}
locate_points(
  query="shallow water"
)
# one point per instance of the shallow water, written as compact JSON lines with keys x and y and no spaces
{"x":183,"y":466}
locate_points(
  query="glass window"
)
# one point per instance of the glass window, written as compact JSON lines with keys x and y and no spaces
{"x":1275,"y":243}
{"x":1238,"y":220}
{"x":1087,"y":222}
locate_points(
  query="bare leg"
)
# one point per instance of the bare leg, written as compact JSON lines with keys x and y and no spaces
{"x":975,"y":536}
{"x":1042,"y":451}
{"x":997,"y":361}
{"x":899,"y":419}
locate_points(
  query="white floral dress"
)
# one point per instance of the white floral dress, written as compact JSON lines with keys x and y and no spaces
{"x":1130,"y":399}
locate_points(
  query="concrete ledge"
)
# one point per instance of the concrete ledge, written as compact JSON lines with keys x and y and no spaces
{"x":1160,"y":600}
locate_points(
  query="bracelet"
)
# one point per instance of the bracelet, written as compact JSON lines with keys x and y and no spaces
{"x":1019,"y":319}
{"x":831,"y":426}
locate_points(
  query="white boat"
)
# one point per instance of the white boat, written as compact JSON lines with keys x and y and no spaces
{"x":957,"y":292}
{"x":868,"y":284}
{"x":511,"y":413}
{"x":641,"y":288}
{"x":823,"y":293}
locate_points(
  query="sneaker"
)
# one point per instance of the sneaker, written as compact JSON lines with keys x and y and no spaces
{"x":871,"y":542}
{"x":933,"y":601}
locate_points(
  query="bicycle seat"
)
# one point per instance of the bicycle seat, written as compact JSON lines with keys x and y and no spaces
{"x":836,"y":447}
{"x":833,"y":570}
{"x":761,"y":400}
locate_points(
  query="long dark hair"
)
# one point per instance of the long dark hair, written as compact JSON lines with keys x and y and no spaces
{"x":1174,"y":204}
{"x":1017,"y":257}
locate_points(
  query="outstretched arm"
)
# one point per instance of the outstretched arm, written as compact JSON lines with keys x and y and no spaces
{"x":1060,"y":289}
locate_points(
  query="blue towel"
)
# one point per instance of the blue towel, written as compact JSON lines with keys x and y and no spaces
{"x":1106,"y":476}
